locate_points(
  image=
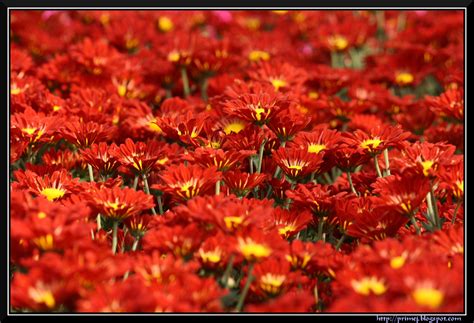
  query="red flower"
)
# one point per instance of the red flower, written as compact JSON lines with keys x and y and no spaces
{"x":223,"y":160}
{"x":241,"y":184}
{"x":289,"y":223}
{"x":117,"y":203}
{"x":297,"y":163}
{"x":284,"y":77}
{"x":449,"y":104}
{"x":33,"y":127}
{"x":58,"y":185}
{"x":101,"y":158}
{"x":139,"y":157}
{"x":402,"y":193}
{"x":377,"y":140}
{"x":83,"y":135}
{"x":185,"y":182}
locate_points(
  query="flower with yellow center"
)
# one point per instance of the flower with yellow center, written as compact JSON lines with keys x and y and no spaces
{"x":278,"y":83}
{"x":41,"y":295}
{"x":272,"y":283}
{"x":286,"y":230}
{"x":259,"y":55}
{"x":52,"y":193}
{"x":44,"y":242}
{"x":234,"y":127}
{"x":232,"y":222}
{"x":252,"y":250}
{"x":316,"y":148}
{"x":212,"y":256}
{"x":295,"y":261}
{"x":368,"y":285}
{"x":165,"y":24}
{"x":427,"y":164}
{"x":398,"y":262}
{"x":428,"y":296}
{"x":174,"y":56}
{"x":153,"y":126}
{"x":338,"y":42}
{"x":371,"y":144}
{"x":404,"y":78}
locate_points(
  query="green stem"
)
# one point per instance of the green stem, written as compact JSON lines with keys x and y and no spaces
{"x":413,"y":221}
{"x":313,"y":178}
{"x":135,"y":182}
{"x":98,"y":220}
{"x":340,"y":241}
{"x":320,"y":228}
{"x":114,"y":236}
{"x":260,"y":157}
{"x":349,"y":178}
{"x":435,"y":207}
{"x":251,"y":164}
{"x":91,"y":172}
{"x":377,"y":167}
{"x":456,"y":211}
{"x":147,"y":190}
{"x":218,"y":187}
{"x":241,"y":301}
{"x":387,"y":162}
{"x":184,"y":78}
{"x":227,"y":271}
{"x":134,"y":248}
{"x":327,"y":178}
{"x":160,"y":205}
{"x":168,"y":93}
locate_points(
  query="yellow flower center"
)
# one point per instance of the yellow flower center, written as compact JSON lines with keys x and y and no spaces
{"x":460,"y":185}
{"x":370,"y":144}
{"x":338,"y":42}
{"x":427,"y":164}
{"x":404,"y":78}
{"x":278,"y":83}
{"x":122,"y":90}
{"x":29,"y":130}
{"x":369,"y":284}
{"x":235,"y":127}
{"x":316,"y":148}
{"x":41,"y":215}
{"x":271,"y":283}
{"x":397,"y":262}
{"x":174,"y":56}
{"x":428,"y":296}
{"x":154,"y":127}
{"x":52,"y":193}
{"x":313,"y":95}
{"x":259,"y":55}
{"x":258,"y":113}
{"x":253,"y":23}
{"x":56,"y":108}
{"x":42,"y":296}
{"x":114,"y":205}
{"x":213,"y":256}
{"x":44,"y":242}
{"x":297,"y":167}
{"x":165,"y":24}
{"x":233,"y":222}
{"x":251,"y":249}
{"x":286,"y":229}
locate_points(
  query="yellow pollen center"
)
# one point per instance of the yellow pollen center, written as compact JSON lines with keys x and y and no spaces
{"x":286,"y":229}
{"x":338,"y":42}
{"x":460,"y":185}
{"x":165,"y":24}
{"x":258,"y":113}
{"x":251,"y":249}
{"x":278,"y":83}
{"x":233,"y":222}
{"x":429,"y":297}
{"x":122,"y":90}
{"x":29,"y":131}
{"x":56,"y":108}
{"x":272,"y":283}
{"x":154,"y":127}
{"x":42,"y":296}
{"x":52,"y":193}
{"x":235,"y":127}
{"x":404,"y":78}
{"x":41,"y":215}
{"x":213,"y":256}
{"x":174,"y":56}
{"x":397,"y":262}
{"x":44,"y":242}
{"x":257,"y":55}
{"x":369,"y":284}
{"x":427,"y":164}
{"x":316,"y":148}
{"x":370,"y":144}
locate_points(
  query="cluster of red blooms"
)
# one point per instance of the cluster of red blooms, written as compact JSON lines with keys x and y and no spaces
{"x":221,"y":161}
